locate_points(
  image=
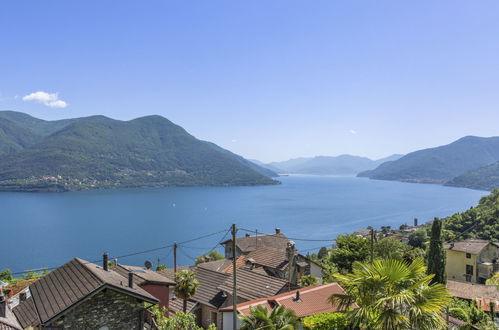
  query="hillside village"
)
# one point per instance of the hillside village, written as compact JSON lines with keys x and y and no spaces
{"x":270,"y":273}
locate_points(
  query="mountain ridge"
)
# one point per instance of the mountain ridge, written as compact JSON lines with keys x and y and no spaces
{"x":100,"y":152}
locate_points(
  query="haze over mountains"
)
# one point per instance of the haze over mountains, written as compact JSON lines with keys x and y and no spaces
{"x":468,"y":162}
{"x":328,"y":165}
{"x":99,"y":152}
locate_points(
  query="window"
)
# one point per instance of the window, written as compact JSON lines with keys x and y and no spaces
{"x":469,"y":272}
{"x":468,"y":255}
{"x":214,"y":318}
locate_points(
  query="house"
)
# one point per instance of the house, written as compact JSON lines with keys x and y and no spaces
{"x":304,"y":302}
{"x":83,"y":295}
{"x":155,"y":283}
{"x":483,"y":294}
{"x":271,"y":255}
{"x":472,"y":260}
{"x":215,"y":292}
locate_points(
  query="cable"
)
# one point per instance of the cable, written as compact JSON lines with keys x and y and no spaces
{"x":288,"y":238}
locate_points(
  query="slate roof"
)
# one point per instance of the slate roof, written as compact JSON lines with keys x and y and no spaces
{"x":248,"y":244}
{"x":70,"y":284}
{"x":207,"y":292}
{"x":169,"y":273}
{"x":26,"y":313}
{"x":9,"y":322}
{"x":253,"y":285}
{"x":143,"y":275}
{"x":313,"y":300}
{"x":473,"y":246}
{"x":217,"y":266}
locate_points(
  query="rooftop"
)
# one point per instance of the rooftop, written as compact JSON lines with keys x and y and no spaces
{"x":143,"y":275}
{"x":69,"y":284}
{"x":312,"y":300}
{"x":473,"y":246}
{"x":251,"y":243}
{"x":467,"y":290}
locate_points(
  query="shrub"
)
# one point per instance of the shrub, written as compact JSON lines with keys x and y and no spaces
{"x":325,"y":321}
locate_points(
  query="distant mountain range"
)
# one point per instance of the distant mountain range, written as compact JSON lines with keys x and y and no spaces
{"x":327,"y":165}
{"x":99,"y":152}
{"x":468,"y":162}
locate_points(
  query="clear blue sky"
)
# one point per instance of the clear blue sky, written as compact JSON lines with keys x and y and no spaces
{"x":266,"y":79}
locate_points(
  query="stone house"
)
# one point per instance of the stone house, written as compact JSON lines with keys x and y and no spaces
{"x":472,"y":260}
{"x":83,"y":295}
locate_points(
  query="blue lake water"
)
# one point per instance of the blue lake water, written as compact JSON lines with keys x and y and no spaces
{"x":48,"y":229}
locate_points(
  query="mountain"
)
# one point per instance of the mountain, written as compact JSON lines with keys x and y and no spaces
{"x":323,"y":165}
{"x":483,"y":178}
{"x":99,"y":152}
{"x":440,"y":164}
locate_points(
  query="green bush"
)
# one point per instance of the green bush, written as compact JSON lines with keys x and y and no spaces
{"x":325,"y":321}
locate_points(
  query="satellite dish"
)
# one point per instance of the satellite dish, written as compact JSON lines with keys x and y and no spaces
{"x":148,"y":264}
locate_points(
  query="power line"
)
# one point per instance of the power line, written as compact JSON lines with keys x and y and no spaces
{"x":288,"y":238}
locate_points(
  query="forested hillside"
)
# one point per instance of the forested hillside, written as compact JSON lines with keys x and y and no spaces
{"x":99,"y":152}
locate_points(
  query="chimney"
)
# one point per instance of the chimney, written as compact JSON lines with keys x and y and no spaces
{"x":277,"y":231}
{"x":3,"y":306}
{"x":22,"y":296}
{"x":415,"y":222}
{"x":247,"y":235}
{"x":297,"y":297}
{"x":105,"y":261}
{"x":130,"y":280}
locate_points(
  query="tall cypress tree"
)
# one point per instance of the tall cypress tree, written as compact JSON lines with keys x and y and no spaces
{"x":436,"y":253}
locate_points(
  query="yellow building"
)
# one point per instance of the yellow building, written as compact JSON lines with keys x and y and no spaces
{"x":472,"y":260}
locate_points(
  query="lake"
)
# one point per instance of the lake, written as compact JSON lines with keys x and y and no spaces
{"x":48,"y":229}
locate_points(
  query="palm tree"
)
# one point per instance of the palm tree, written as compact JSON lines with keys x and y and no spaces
{"x":392,"y":294}
{"x":261,"y":318}
{"x":186,"y":285}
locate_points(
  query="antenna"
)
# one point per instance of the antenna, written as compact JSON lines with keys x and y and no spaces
{"x":148,"y":264}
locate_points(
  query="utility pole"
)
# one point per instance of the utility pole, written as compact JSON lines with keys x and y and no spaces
{"x":174,"y":258}
{"x":372,"y":245}
{"x":256,"y":238}
{"x":234,"y":287}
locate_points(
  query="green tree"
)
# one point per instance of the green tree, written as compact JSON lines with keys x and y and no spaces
{"x":323,"y":252}
{"x":390,"y":248}
{"x":6,"y":275}
{"x":280,"y":318}
{"x":392,"y":294}
{"x":161,"y":267}
{"x":326,"y":321}
{"x":350,"y":248}
{"x":186,"y":285}
{"x":177,"y":321}
{"x":308,"y":280}
{"x":211,"y":256}
{"x":418,"y":239}
{"x":436,"y":253}
{"x":494,"y":280}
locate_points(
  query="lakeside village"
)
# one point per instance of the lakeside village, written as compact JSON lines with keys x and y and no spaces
{"x":406,"y":278}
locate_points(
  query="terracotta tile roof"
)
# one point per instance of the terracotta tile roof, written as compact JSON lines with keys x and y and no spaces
{"x":13,"y":289}
{"x":484,"y":303}
{"x":269,"y":257}
{"x":143,"y":275}
{"x":252,"y":285}
{"x":71,"y":283}
{"x":313,"y":300}
{"x":473,"y":246}
{"x":240,"y":262}
{"x":467,"y":290}
{"x":248,"y":244}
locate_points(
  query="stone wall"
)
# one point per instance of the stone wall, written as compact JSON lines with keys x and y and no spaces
{"x":107,"y":310}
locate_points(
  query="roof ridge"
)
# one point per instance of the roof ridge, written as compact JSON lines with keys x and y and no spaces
{"x":210,"y":270}
{"x":85,"y":264}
